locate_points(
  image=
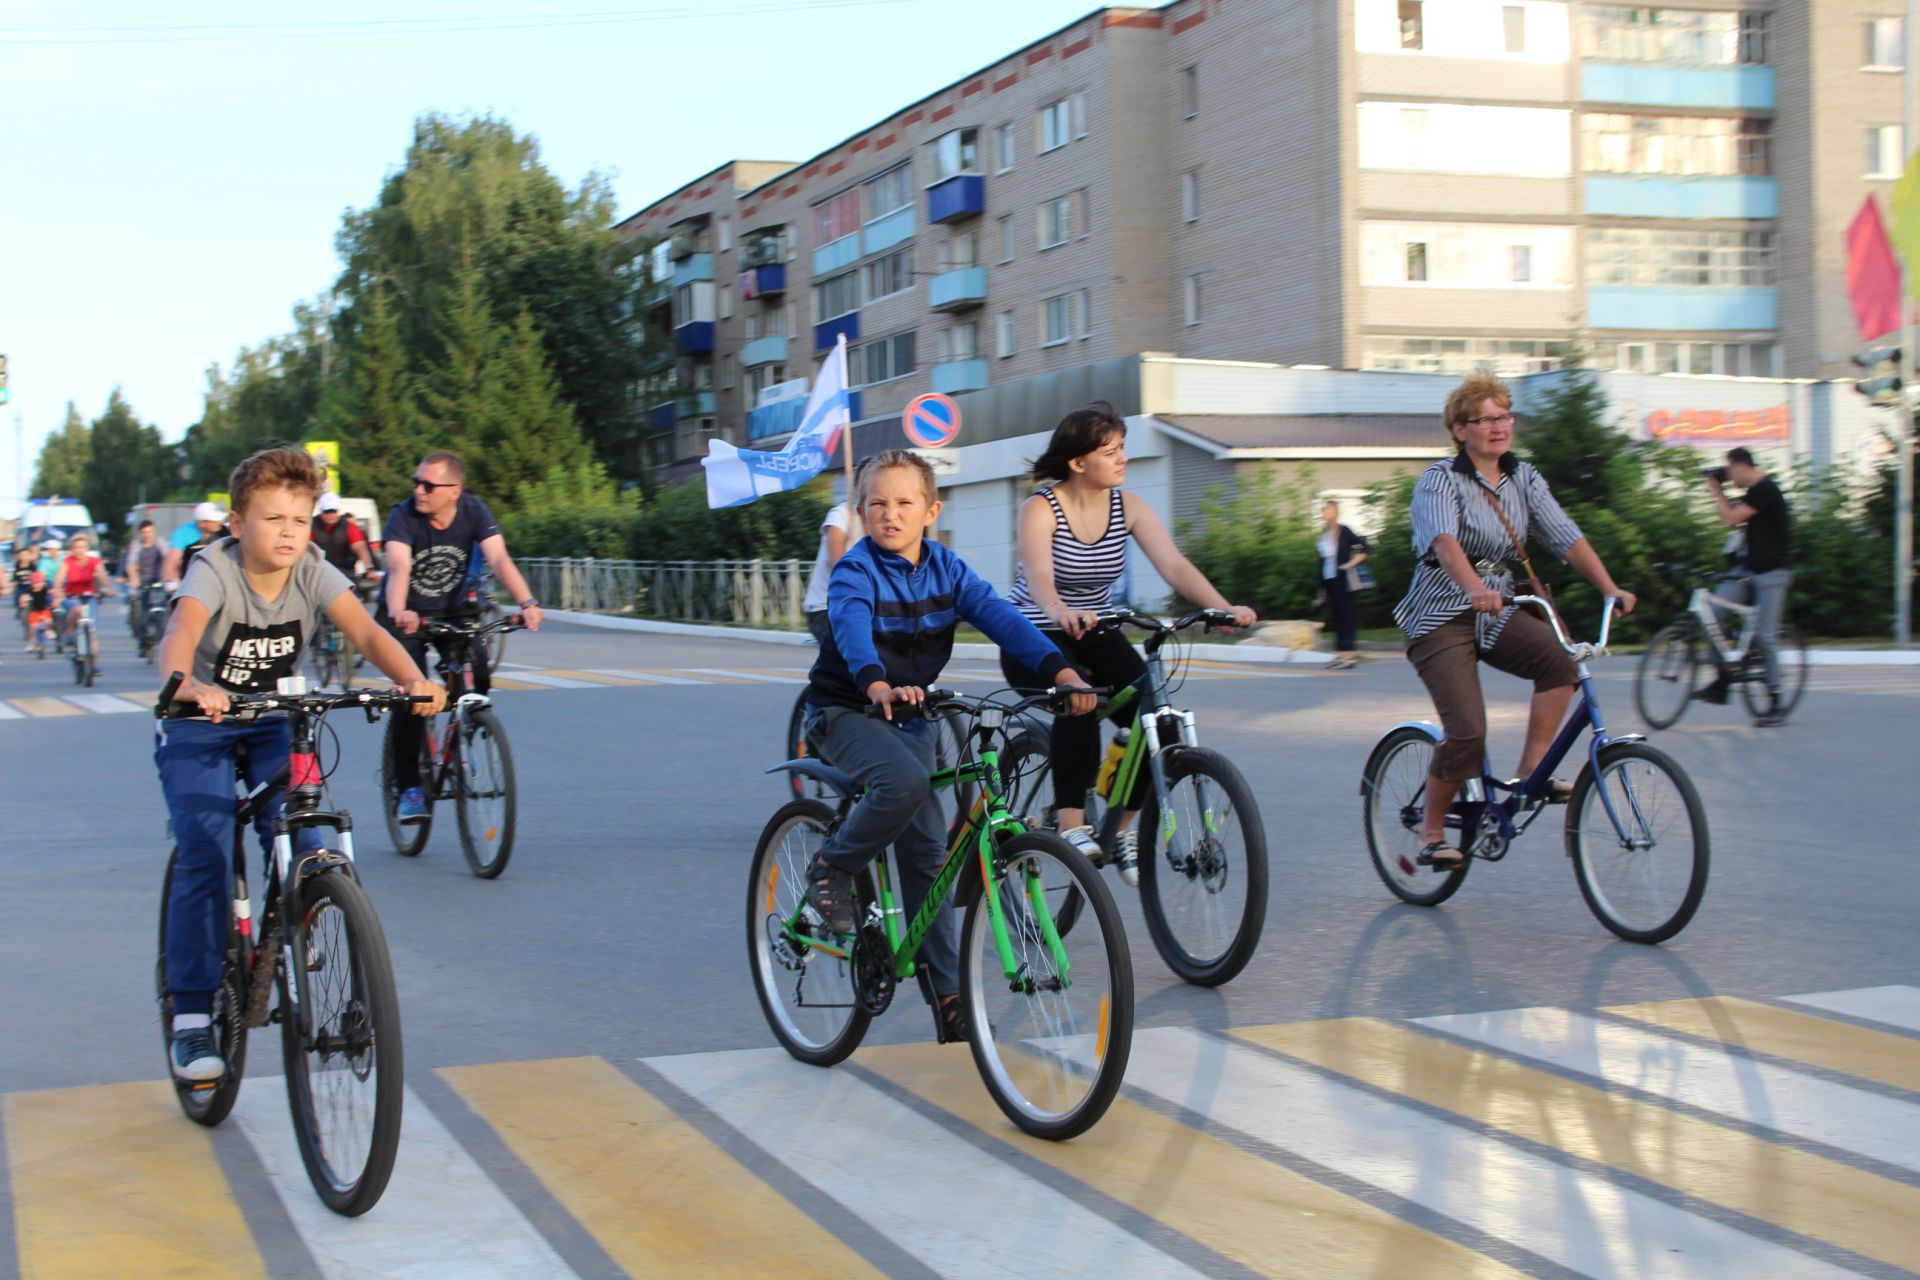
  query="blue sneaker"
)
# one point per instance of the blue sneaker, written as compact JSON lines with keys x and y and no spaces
{"x":196,"y":1057}
{"x":413,"y":806}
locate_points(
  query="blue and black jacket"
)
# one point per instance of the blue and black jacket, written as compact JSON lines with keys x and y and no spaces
{"x":894,"y":620}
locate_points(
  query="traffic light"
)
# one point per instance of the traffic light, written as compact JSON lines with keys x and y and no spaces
{"x":1882,"y":367}
{"x":4,"y":393}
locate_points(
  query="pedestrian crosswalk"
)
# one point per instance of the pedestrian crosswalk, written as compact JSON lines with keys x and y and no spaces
{"x":1716,"y":1136}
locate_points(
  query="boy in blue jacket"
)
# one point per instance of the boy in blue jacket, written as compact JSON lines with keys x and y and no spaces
{"x":893,"y":602}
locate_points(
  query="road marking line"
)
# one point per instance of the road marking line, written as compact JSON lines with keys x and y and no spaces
{"x":512,"y":683}
{"x":1798,"y":1190}
{"x":650,"y":677}
{"x":112,"y":1181}
{"x":1757,"y":1093}
{"x":46,"y":707}
{"x":8,"y":713}
{"x":425,"y":1223}
{"x":105,"y":704}
{"x":550,"y":681}
{"x":144,"y":701}
{"x":961,"y":1229}
{"x":744,"y":675}
{"x":1896,"y":1006}
{"x":1201,"y":1185}
{"x":652,"y":1190}
{"x":1593,"y":1225}
{"x":1821,"y":1042}
{"x":599,"y":678}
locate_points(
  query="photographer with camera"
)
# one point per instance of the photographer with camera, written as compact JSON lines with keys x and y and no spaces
{"x":1764,"y":570}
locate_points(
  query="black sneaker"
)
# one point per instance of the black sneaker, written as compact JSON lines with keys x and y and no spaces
{"x":196,"y":1057}
{"x":830,"y":890}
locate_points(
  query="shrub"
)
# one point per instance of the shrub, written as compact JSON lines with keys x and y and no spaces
{"x":1257,"y":547}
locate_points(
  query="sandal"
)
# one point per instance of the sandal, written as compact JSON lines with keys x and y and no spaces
{"x":830,"y":892}
{"x":1559,"y":791}
{"x":1441,"y":856}
{"x":953,"y":1021}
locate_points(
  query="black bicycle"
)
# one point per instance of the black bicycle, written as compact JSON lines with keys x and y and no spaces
{"x":464,"y":758}
{"x":147,"y":608}
{"x":317,"y":944}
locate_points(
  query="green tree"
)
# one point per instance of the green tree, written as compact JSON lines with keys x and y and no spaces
{"x":128,"y":463}
{"x":371,"y":405}
{"x":1257,"y":546}
{"x":61,"y":471}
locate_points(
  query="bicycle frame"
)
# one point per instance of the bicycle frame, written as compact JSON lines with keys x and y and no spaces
{"x":1702,"y":606}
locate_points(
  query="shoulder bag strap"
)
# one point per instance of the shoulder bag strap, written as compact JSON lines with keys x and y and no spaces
{"x":1519,"y":548}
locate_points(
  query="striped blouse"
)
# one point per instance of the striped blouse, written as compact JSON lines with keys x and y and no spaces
{"x":1083,"y":572}
{"x":1448,"y":500}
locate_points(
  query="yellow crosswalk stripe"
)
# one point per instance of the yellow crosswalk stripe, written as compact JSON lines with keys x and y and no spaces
{"x":1233,"y":1202}
{"x":46,"y":707}
{"x":142,"y":699}
{"x":112,"y":1181}
{"x":508,"y":682}
{"x":656,"y":1194}
{"x":591,"y":677}
{"x":1798,"y":1190}
{"x":1803,"y":1037}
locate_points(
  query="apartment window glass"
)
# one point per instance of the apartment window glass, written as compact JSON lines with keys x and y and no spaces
{"x":1056,"y":315}
{"x":1190,"y":91}
{"x":1520,"y":262}
{"x":836,"y":218}
{"x":1681,"y":146}
{"x":1646,"y":258}
{"x":726,"y":234}
{"x":836,"y":296}
{"x":1006,"y":237}
{"x":726,"y":304}
{"x":1508,"y":357}
{"x":1192,"y":299}
{"x":889,"y":191}
{"x":1417,"y":261}
{"x":1190,"y":194}
{"x":890,"y":275}
{"x":1445,"y":137}
{"x":884,"y":359}
{"x":1885,"y":157}
{"x":1412,"y":28}
{"x":962,"y":250}
{"x":1083,"y":312}
{"x":1003,"y":335}
{"x":1006,"y":147}
{"x":1056,"y":121}
{"x":1886,"y":51}
{"x":763,"y":250}
{"x":1513,"y":27}
{"x":962,"y":342}
{"x":956,"y":152}
{"x":1619,"y":33}
{"x":1056,"y":222}
{"x":1456,"y":255}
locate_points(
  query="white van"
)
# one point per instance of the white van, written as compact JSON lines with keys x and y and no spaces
{"x":56,"y":518}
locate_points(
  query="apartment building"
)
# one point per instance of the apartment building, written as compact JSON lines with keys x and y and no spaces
{"x":1390,"y":184}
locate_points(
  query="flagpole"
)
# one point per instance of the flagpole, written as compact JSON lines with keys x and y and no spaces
{"x":846,"y":437}
{"x":1903,"y":481}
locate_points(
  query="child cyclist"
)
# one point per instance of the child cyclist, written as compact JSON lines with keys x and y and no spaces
{"x":241,"y":621}
{"x":893,"y":602}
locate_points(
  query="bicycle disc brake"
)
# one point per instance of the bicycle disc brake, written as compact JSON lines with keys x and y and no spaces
{"x":873,"y":977}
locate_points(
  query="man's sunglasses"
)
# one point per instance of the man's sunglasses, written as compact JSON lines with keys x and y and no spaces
{"x":431,"y":485}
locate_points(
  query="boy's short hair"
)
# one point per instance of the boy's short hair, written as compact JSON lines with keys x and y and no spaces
{"x":1742,"y":455}
{"x":145,"y":524}
{"x":282,"y":468}
{"x":895,"y":458}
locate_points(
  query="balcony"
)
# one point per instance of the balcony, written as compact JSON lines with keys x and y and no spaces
{"x":1652,"y":196}
{"x":780,"y":418}
{"x":695,"y":337}
{"x":957,"y":290}
{"x":888,"y":230}
{"x":763,"y":281}
{"x":694,"y":268}
{"x":1670,"y":309}
{"x":1656,"y":85}
{"x":827,"y":331}
{"x":696,"y":404}
{"x":835,"y":254}
{"x":661,"y":417}
{"x":768,"y":350}
{"x":954,"y":376}
{"x":961,"y":196}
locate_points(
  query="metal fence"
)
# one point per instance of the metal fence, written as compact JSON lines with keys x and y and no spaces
{"x":754,"y":592}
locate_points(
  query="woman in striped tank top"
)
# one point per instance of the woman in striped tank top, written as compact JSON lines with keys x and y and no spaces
{"x":1073,"y":548}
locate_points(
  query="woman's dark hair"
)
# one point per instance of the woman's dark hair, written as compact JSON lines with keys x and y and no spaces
{"x":1079,"y":434}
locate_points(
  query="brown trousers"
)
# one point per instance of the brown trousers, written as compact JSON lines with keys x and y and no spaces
{"x":1448,"y":661}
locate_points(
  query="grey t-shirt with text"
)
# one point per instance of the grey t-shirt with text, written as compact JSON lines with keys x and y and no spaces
{"x":250,"y":642}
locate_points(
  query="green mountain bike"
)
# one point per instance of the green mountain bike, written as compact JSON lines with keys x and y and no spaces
{"x":1049,"y":1001}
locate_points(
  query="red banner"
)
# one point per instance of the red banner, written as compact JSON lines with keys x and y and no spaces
{"x":1873,"y":279}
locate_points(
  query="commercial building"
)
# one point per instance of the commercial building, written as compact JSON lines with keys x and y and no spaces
{"x":1419,"y":185}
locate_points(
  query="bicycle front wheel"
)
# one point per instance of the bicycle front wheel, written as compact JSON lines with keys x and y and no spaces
{"x":1203,"y":868}
{"x":1668,"y":674}
{"x":807,"y":993}
{"x":408,"y":839}
{"x":1393,"y":797}
{"x":1051,"y":1031}
{"x":321,"y":661}
{"x":345,"y":1082}
{"x":488,"y":800}
{"x":205,"y":1105}
{"x":1638,"y":839}
{"x":1791,"y":658}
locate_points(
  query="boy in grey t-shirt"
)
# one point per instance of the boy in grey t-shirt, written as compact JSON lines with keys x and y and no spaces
{"x":242,"y":620}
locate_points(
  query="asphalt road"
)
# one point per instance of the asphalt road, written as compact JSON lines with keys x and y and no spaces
{"x":616,"y":932}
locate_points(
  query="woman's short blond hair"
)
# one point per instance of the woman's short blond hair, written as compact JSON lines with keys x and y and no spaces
{"x":1463,"y":402}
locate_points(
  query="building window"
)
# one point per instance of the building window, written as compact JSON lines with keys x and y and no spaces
{"x":1679,"y":146}
{"x":726,"y":233}
{"x":1508,"y":357}
{"x":1062,"y":121}
{"x":837,"y":218}
{"x":1083,"y":306}
{"x":764,"y":249}
{"x":1006,"y":237}
{"x":1412,"y":29}
{"x":1513,"y":25}
{"x":1003,"y":335}
{"x":1885,"y":158}
{"x":1732,"y":359}
{"x":1453,"y":137}
{"x":1417,"y":261}
{"x":883,"y":360}
{"x":836,"y":296}
{"x":1056,"y":222}
{"x":1006,"y":148}
{"x":955,"y":153}
{"x":890,"y":275}
{"x":962,"y":342}
{"x":1521,"y":256}
{"x":962,"y":250}
{"x":1190,"y":91}
{"x":889,"y":191}
{"x":1886,"y":51}
{"x":1190,"y":194}
{"x":1056,"y":315}
{"x":1756,"y":39}
{"x":1466,"y":255}
{"x":1645,"y":258}
{"x":1617,"y":33}
{"x":726,"y":304}
{"x":1192,"y":299}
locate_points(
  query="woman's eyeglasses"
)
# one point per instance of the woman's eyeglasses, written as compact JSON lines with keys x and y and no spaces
{"x":1492,"y":420}
{"x":431,"y":485}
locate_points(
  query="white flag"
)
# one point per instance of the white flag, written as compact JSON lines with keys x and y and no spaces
{"x":737,"y":476}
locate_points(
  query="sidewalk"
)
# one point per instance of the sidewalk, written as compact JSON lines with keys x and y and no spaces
{"x":1258,"y":655}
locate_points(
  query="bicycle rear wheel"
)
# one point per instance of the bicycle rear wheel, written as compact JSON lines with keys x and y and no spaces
{"x":487,"y":801}
{"x":1203,"y":868}
{"x":1393,"y":794}
{"x":807,"y":994}
{"x":1646,"y":885}
{"x":797,"y":747}
{"x":408,"y":840}
{"x":204,"y":1105}
{"x":345,"y":1084}
{"x":1792,"y":660}
{"x":1668,"y":674}
{"x":1051,"y":1043}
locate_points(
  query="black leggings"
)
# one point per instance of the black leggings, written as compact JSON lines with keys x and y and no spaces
{"x":1104,"y":658}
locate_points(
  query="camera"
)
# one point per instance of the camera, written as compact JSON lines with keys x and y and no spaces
{"x":1719,"y":475}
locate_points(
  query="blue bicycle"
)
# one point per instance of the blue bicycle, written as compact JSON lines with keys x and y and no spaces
{"x":1635,"y":829}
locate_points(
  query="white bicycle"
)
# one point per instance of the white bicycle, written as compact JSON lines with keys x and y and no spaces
{"x":1696,"y":644}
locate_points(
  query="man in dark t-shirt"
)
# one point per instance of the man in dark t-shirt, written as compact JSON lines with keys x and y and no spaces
{"x":429,"y":539}
{"x":1766,"y":563}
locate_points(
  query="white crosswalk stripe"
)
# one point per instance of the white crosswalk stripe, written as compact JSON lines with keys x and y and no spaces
{"x":105,"y":704}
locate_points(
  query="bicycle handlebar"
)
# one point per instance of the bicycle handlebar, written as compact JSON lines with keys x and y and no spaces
{"x":1147,"y":622}
{"x":1054,"y":698}
{"x":473,"y":630}
{"x":1581,"y":650}
{"x":371,"y":700}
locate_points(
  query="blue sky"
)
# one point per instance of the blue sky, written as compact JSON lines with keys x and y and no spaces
{"x":174,"y":174}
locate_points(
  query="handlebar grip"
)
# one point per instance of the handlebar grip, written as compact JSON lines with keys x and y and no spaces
{"x":165,"y":700}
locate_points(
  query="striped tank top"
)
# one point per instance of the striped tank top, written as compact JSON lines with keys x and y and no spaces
{"x":1083,"y":572}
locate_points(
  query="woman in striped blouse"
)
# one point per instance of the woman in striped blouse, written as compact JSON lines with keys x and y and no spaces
{"x":1073,"y":548}
{"x":1468,"y":514}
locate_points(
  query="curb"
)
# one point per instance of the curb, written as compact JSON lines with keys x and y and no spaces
{"x":1255,"y":655}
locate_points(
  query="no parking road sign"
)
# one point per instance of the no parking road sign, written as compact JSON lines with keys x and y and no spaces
{"x":931,"y":420}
